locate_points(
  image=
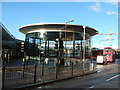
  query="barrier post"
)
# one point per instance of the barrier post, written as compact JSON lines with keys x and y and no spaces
{"x":3,"y":77}
{"x":43,"y":68}
{"x":71,"y":68}
{"x":56,"y":71}
{"x":23,"y":69}
{"x":83,"y":68}
{"x":92,"y":66}
{"x":35,"y":73}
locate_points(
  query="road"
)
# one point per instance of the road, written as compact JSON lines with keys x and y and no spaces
{"x":106,"y":77}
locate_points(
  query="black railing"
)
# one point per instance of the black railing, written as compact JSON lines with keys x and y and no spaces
{"x":18,"y":76}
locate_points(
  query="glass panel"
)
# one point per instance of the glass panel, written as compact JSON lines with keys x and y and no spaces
{"x":68,"y":49}
{"x":88,"y":49}
{"x":40,"y":45}
{"x":73,"y":45}
{"x":77,"y":48}
{"x":52,"y":52}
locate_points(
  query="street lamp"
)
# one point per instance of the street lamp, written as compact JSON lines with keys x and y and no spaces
{"x":70,"y":21}
{"x":65,"y":33}
{"x":84,"y":49}
{"x":84,"y":44}
{"x":60,"y":36}
{"x":65,"y":27}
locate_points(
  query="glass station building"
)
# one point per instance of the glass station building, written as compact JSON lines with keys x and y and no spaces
{"x":57,"y":40}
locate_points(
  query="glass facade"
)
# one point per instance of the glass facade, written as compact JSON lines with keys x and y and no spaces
{"x":10,"y":54}
{"x":61,"y":45}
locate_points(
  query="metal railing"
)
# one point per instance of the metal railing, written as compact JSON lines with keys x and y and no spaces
{"x":18,"y":76}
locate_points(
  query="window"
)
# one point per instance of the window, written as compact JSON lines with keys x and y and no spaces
{"x":107,"y":55}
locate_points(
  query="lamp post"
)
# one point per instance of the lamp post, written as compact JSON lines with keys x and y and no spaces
{"x":69,"y":22}
{"x":60,"y":41}
{"x":65,"y":33}
{"x":65,"y":27}
{"x":84,"y":49}
{"x":84,"y":44}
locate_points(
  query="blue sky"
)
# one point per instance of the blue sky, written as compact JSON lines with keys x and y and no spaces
{"x":102,"y":16}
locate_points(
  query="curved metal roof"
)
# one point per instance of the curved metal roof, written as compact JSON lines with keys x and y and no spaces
{"x":56,"y":27}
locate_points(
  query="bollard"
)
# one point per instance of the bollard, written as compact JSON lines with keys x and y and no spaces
{"x":71,"y":68}
{"x":35,"y":73}
{"x":23,"y":69}
{"x":92,"y":66}
{"x":83,"y":63}
{"x":56,"y":71}
{"x":3,"y":77}
{"x":42,"y":68}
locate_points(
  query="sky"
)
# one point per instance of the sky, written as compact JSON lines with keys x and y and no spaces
{"x":102,"y":16}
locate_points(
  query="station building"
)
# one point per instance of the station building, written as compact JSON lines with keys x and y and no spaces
{"x":10,"y":49}
{"x":57,"y":40}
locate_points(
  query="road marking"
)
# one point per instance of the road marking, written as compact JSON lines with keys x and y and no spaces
{"x":39,"y":87}
{"x":90,"y":87}
{"x":99,"y":70}
{"x":113,"y":77}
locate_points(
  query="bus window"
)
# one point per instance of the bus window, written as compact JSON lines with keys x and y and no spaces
{"x":107,"y":55}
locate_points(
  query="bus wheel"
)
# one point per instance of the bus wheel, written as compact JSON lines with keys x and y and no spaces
{"x":105,"y":63}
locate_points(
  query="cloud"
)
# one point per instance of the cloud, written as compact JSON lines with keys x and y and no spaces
{"x":96,"y":7}
{"x":112,"y":1}
{"x":112,"y":13}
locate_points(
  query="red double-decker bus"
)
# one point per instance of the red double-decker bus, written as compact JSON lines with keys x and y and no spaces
{"x":109,"y":54}
{"x":96,"y":53}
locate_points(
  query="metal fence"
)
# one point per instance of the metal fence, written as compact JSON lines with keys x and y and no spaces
{"x":18,"y":76}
